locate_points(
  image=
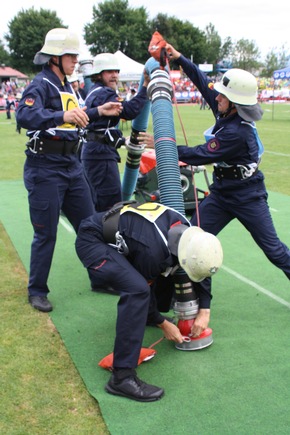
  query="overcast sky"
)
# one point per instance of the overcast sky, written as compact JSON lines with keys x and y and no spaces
{"x":265,"y":22}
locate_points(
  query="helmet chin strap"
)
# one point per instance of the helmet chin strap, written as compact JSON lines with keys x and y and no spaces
{"x":59,"y":64}
{"x":228,"y":111}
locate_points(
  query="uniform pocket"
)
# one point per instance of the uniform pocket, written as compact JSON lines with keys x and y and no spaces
{"x":39,"y":214}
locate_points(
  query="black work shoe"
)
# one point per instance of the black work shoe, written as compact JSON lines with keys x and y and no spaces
{"x":104,"y":289}
{"x":40,"y":303}
{"x":133,"y":388}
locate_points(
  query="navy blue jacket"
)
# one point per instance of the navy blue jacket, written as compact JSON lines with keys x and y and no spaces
{"x":234,"y":140}
{"x":149,"y":253}
{"x":41,"y":110}
{"x":100,"y":94}
{"x":97,"y":96}
{"x":41,"y":107}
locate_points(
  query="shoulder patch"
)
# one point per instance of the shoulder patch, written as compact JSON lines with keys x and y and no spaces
{"x":213,"y":145}
{"x":29,"y":101}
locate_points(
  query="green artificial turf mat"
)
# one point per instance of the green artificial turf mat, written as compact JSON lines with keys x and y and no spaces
{"x":239,"y":385}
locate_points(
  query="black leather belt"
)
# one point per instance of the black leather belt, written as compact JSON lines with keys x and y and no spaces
{"x":47,"y":146}
{"x":98,"y":137}
{"x":111,"y":218}
{"x":235,"y":172}
{"x":113,"y":139}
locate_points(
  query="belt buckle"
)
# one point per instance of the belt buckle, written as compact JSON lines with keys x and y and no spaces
{"x":245,"y":172}
{"x":34,"y":140}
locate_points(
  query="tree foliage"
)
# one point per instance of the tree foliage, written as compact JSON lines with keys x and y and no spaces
{"x":4,"y":55}
{"x":189,"y":40}
{"x":271,"y":64}
{"x":246,"y":55}
{"x":226,"y":48}
{"x":213,"y":44}
{"x":275,"y":60}
{"x":116,"y":26}
{"x":26,"y":36}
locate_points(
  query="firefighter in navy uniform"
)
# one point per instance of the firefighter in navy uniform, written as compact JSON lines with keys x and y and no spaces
{"x":129,"y":248}
{"x":238,"y":189}
{"x":53,"y":175}
{"x":99,"y":154}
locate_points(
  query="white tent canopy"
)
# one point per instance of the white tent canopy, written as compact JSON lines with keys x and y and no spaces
{"x":130,"y":70}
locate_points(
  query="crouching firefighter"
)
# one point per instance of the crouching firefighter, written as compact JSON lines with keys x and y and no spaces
{"x":132,"y":247}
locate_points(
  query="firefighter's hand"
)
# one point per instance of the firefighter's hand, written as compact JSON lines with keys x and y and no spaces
{"x":201,"y":322}
{"x":110,"y":109}
{"x":76,"y":116}
{"x":172,"y":53}
{"x":146,"y":139}
{"x":146,"y":79}
{"x":171,"y":332}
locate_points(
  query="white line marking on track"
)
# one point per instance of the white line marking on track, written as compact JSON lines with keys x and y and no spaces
{"x":256,"y":286}
{"x":68,"y":227}
{"x":277,"y":154}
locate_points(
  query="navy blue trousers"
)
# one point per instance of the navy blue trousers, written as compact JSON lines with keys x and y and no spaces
{"x":52,"y":188}
{"x":112,"y":268}
{"x":104,"y":180}
{"x":216,"y":211}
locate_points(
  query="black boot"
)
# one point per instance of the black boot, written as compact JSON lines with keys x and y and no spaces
{"x":125,"y":383}
{"x":40,"y":303}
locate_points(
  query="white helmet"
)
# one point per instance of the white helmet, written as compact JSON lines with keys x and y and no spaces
{"x":105,"y":62}
{"x":239,"y":86}
{"x":200,"y":253}
{"x":57,"y":43}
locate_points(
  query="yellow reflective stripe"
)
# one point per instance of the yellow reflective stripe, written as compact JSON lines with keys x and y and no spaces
{"x":150,"y":211}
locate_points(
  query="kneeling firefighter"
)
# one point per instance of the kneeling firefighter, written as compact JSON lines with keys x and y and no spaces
{"x":133,"y":248}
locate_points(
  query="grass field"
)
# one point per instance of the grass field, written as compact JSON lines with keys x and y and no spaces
{"x":40,"y":388}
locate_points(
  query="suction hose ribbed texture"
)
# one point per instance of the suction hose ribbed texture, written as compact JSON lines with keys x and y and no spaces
{"x":168,"y":172}
{"x":134,"y":151}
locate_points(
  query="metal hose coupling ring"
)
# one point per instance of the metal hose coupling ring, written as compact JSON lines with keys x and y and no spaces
{"x":186,"y":310}
{"x":160,"y":85}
